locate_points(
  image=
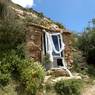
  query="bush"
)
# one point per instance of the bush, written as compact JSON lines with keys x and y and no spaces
{"x":59,"y":25}
{"x":46,"y":62}
{"x":27,"y":72}
{"x":91,"y":56}
{"x":4,"y":79}
{"x":68,"y":87}
{"x":49,"y":87}
{"x":91,"y":71}
{"x":13,"y":64}
{"x":40,"y":15}
{"x":8,"y":64}
{"x":32,"y":76}
{"x":4,"y":72}
{"x":12,"y":31}
{"x":86,"y":43}
{"x":12,"y":34}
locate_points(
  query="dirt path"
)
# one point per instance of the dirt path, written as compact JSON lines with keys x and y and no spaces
{"x":89,"y":90}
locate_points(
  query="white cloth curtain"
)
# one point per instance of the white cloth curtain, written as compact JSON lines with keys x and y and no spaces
{"x":50,"y":47}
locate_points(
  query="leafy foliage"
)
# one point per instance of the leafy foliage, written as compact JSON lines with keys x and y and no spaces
{"x":91,"y":70}
{"x":28,"y":72}
{"x":87,"y":44}
{"x":46,"y":62}
{"x":68,"y":87}
{"x":11,"y":34}
{"x":40,"y":15}
{"x":13,"y":65}
{"x":32,"y":76}
{"x":4,"y":78}
{"x":60,"y":25}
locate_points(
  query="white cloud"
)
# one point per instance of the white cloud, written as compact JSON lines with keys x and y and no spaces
{"x":24,"y":3}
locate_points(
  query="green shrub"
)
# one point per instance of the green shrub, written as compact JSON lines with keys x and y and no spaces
{"x":46,"y":62}
{"x":68,"y":87}
{"x":86,"y":43}
{"x":4,"y":72}
{"x":12,"y":31}
{"x":40,"y":15}
{"x":59,"y":25}
{"x":4,"y":79}
{"x":13,"y":64}
{"x":32,"y":76}
{"x":91,"y":71}
{"x":27,"y":72}
{"x":8,"y":64}
{"x":77,"y":58}
{"x":49,"y":87}
{"x":12,"y":34}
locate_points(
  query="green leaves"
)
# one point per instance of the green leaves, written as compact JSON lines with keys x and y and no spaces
{"x":68,"y":87}
{"x":32,"y":76}
{"x":86,"y":43}
{"x":28,"y":72}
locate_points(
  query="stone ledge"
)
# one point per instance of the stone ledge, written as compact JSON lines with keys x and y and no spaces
{"x":55,"y":79}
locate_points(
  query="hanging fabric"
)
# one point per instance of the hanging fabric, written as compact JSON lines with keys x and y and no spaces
{"x":50,"y":46}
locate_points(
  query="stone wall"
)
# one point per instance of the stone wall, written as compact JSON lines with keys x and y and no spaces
{"x":68,"y":47}
{"x":33,"y":43}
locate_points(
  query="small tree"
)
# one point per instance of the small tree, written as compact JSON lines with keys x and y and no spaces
{"x":87,"y":43}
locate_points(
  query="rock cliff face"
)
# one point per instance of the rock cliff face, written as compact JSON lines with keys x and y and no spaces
{"x":35,"y":23}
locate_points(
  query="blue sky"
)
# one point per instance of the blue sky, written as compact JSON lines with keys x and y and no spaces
{"x":74,"y":14}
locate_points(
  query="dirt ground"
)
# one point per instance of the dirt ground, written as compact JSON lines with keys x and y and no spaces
{"x":89,"y":90}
